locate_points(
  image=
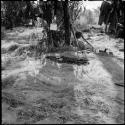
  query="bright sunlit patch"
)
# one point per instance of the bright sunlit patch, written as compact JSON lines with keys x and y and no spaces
{"x":92,"y":4}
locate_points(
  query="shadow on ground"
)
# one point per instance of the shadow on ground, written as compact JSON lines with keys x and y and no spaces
{"x":69,"y":60}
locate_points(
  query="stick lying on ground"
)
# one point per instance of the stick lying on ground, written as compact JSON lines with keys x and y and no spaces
{"x":93,"y":49}
{"x":120,"y":84}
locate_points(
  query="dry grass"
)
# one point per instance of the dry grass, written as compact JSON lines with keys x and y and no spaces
{"x":41,"y":91}
{"x":55,"y":106}
{"x":8,"y":82}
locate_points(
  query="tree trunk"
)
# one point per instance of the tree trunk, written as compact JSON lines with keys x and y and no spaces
{"x":66,"y":23}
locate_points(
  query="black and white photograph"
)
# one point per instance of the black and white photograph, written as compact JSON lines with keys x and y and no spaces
{"x":62,"y":62}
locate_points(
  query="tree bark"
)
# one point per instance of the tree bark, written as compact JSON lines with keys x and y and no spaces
{"x":66,"y":23}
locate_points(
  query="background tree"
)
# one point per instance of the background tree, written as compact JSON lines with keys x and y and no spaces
{"x":75,"y":9}
{"x":67,"y":23}
{"x":19,"y":12}
{"x":16,"y":12}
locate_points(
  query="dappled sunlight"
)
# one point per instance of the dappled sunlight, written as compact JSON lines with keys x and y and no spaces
{"x":113,"y":68}
{"x":40,"y":87}
{"x":97,"y":88}
{"x":94,"y":69}
{"x":59,"y":65}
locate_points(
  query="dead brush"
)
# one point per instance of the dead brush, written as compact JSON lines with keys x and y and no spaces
{"x":3,"y":35}
{"x":38,"y":42}
{"x":13,"y":47}
{"x":25,"y":50}
{"x":6,"y":60}
{"x":20,"y":50}
{"x":3,"y":51}
{"x":12,"y":100}
{"x":8,"y":82}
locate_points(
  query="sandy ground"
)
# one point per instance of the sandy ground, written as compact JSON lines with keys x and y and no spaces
{"x":40,"y":91}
